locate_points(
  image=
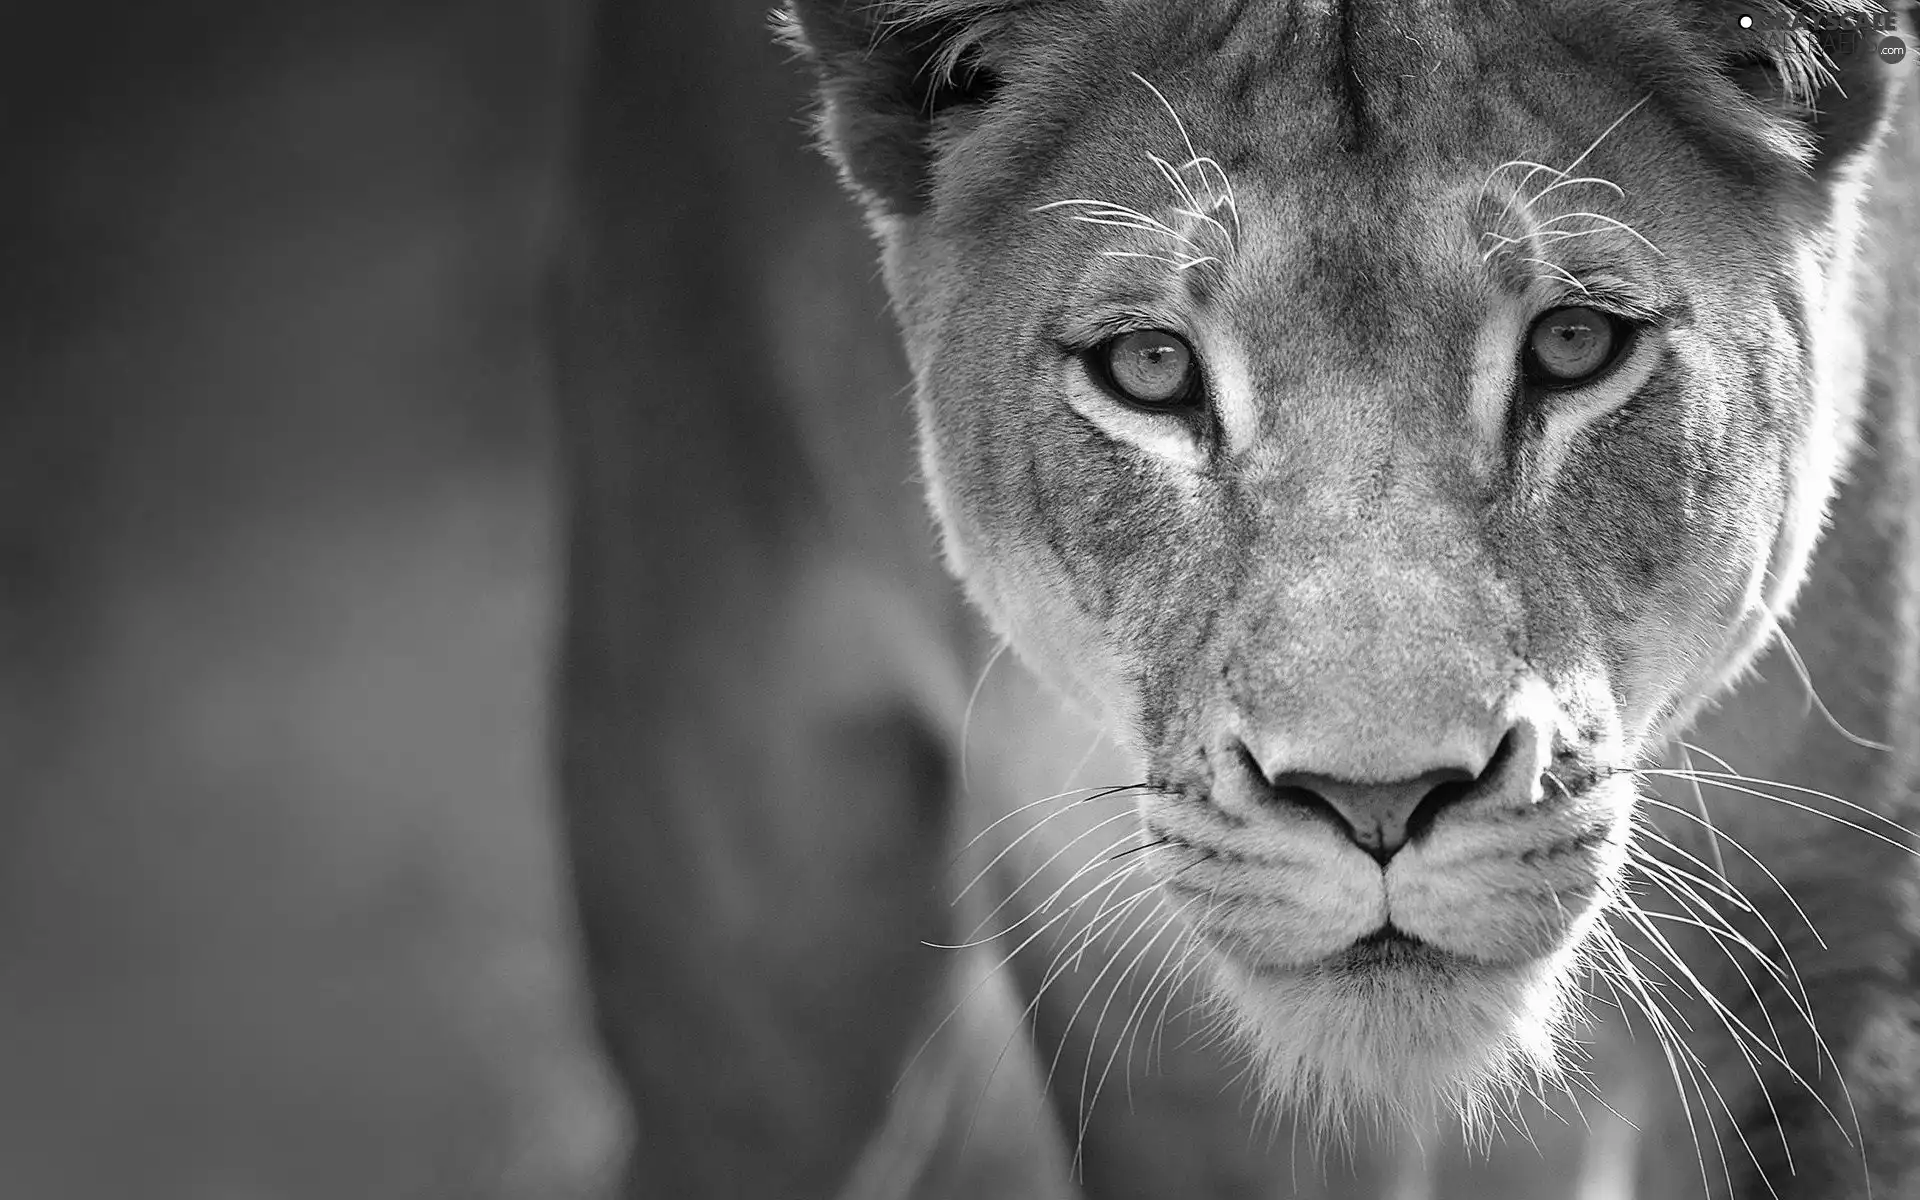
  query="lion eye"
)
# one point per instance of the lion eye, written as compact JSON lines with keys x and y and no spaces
{"x":1151,"y":368}
{"x":1572,"y":345}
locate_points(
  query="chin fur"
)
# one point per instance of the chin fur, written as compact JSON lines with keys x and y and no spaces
{"x":1406,"y":1046}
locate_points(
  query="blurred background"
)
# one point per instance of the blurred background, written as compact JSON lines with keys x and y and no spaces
{"x":281,"y":912}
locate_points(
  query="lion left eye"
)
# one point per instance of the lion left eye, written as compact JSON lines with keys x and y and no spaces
{"x":1573,"y":345}
{"x":1150,"y":368}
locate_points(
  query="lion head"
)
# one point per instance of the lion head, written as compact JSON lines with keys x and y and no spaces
{"x":1392,"y":420}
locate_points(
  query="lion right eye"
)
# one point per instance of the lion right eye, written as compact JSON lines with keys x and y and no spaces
{"x":1573,"y":345}
{"x":1151,"y":369}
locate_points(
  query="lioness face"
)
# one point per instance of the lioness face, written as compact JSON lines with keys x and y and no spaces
{"x":1390,"y":451}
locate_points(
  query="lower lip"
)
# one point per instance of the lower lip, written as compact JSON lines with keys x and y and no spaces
{"x":1390,"y":953}
{"x":1367,"y":957}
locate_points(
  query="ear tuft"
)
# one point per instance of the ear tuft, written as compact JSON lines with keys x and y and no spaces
{"x":887,"y":69}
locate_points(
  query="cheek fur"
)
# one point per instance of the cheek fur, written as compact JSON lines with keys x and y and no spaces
{"x":1666,"y":514}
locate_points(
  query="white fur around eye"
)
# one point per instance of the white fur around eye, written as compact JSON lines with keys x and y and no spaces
{"x":1169,"y":436}
{"x":1571,"y":411}
{"x":1232,"y":395}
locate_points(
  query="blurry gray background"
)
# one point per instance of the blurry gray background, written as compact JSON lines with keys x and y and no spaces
{"x":280,"y":906}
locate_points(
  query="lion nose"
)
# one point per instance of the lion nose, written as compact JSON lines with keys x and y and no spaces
{"x":1381,"y":817}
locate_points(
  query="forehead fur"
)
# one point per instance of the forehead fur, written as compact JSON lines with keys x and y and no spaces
{"x":899,"y":78}
{"x":1699,"y":35}
{"x":1370,"y":71}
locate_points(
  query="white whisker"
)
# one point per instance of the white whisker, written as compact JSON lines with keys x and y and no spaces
{"x":1583,"y":179}
{"x":1610,"y":222}
{"x":1103,"y":792}
{"x":1706,"y":817}
{"x":1177,"y":264}
{"x":1751,"y":857}
{"x":1170,"y":921}
{"x":966,"y":721}
{"x":1098,"y":861}
{"x":1024,"y":834}
{"x":1713,"y":779}
{"x":1813,"y":695}
{"x":1175,"y":180}
{"x":1594,"y":145}
{"x":1559,"y":271}
{"x":1509,"y":165}
{"x":1054,"y":971}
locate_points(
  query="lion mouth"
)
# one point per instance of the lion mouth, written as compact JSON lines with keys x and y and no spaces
{"x":1386,"y":951}
{"x":1389,"y":946}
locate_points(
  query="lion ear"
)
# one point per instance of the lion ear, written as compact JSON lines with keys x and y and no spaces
{"x":1818,"y":66}
{"x":887,"y":70}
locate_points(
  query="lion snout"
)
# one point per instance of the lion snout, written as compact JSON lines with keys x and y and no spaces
{"x":1483,"y":850}
{"x":1485,"y":763}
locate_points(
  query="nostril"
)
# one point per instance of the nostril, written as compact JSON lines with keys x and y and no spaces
{"x":1456,"y":785}
{"x":1438,"y":799}
{"x":1282,"y":792}
{"x":1310,"y":800}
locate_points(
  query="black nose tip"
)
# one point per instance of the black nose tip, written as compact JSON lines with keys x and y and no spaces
{"x":1383,"y":817}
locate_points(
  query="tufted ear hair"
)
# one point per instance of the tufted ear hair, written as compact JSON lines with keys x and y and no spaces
{"x":1815,"y":68}
{"x":887,"y":71}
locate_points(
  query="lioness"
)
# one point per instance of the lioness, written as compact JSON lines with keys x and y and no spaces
{"x":1403,"y":432}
